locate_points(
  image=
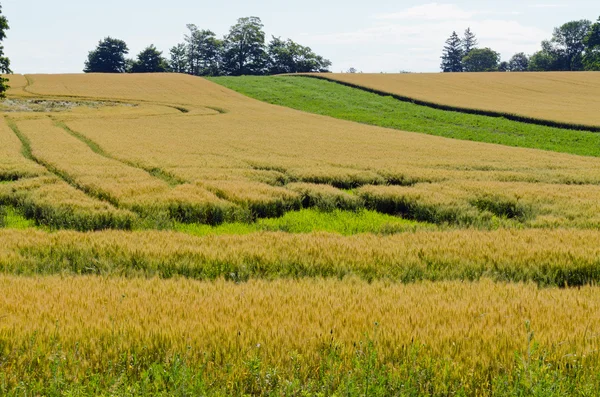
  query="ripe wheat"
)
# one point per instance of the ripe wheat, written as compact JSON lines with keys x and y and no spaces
{"x":563,"y":97}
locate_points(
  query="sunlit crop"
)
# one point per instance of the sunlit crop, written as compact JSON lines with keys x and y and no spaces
{"x":262,"y":250}
{"x":563,"y":97}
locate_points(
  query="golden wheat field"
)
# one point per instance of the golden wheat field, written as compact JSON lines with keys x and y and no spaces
{"x":204,"y":165}
{"x":558,"y":96}
{"x":111,"y":288}
{"x":288,"y":323}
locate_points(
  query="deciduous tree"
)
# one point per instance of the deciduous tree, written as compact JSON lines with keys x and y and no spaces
{"x":591,"y":59}
{"x":108,"y":57}
{"x":481,"y":60}
{"x":204,"y":52}
{"x":290,"y":57}
{"x":245,"y":48}
{"x":519,"y":62}
{"x":178,"y":60}
{"x":4,"y":61}
{"x":568,"y":41}
{"x":150,"y":60}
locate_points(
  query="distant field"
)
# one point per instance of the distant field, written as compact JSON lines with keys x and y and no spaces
{"x":332,"y":99}
{"x":558,"y":96}
{"x":165,"y":235}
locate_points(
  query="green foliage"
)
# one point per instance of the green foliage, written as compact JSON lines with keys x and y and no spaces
{"x":4,"y":61}
{"x":542,"y":61}
{"x":178,"y":60}
{"x":481,"y":60}
{"x":241,"y":52}
{"x":245,"y":48}
{"x":335,"y":100}
{"x":519,"y":63}
{"x":565,"y":51}
{"x":568,"y":40}
{"x":591,"y":59}
{"x":204,"y":52}
{"x":309,"y":220}
{"x":453,"y":54}
{"x":290,"y":57}
{"x":150,"y":60}
{"x":108,"y":57}
{"x":10,"y":218}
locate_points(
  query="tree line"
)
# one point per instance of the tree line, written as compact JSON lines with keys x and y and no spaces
{"x":243,"y":51}
{"x":574,"y":46}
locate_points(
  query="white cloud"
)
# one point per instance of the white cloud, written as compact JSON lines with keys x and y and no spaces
{"x":547,"y":5}
{"x":413,"y":39}
{"x":430,"y":12}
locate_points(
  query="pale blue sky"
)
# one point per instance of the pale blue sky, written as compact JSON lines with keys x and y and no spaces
{"x":372,"y":36}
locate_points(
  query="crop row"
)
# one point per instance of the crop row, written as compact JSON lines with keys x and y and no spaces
{"x":560,"y":257}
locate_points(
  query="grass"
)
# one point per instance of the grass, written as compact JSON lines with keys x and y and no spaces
{"x":13,"y":219}
{"x":560,"y":99}
{"x":309,"y":220}
{"x":335,"y":100}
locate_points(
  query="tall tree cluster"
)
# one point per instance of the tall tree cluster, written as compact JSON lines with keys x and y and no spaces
{"x":463,"y":55}
{"x":574,"y":46}
{"x":565,"y":51}
{"x":243,"y":51}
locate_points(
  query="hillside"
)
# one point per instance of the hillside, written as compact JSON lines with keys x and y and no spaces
{"x":562,"y":97}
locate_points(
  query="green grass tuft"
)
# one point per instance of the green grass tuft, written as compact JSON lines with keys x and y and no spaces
{"x":310,"y":220}
{"x":14,"y":219}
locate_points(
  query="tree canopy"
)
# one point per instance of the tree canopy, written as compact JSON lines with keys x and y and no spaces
{"x":591,"y":59}
{"x":481,"y":60}
{"x":178,"y":60}
{"x":245,"y":48}
{"x":290,"y":57}
{"x":149,"y":60}
{"x":204,"y":52}
{"x":519,"y":63}
{"x":567,"y":41}
{"x":4,"y":61}
{"x":108,"y":57}
{"x":242,"y":51}
{"x":574,"y":46}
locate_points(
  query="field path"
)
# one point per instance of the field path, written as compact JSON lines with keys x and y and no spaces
{"x":153,"y":171}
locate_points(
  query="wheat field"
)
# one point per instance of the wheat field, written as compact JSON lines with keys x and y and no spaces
{"x":490,"y":288}
{"x":241,"y":161}
{"x":562,"y":97}
{"x":240,"y":335}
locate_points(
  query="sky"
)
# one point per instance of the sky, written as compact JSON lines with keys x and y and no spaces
{"x":370,"y":36}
